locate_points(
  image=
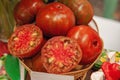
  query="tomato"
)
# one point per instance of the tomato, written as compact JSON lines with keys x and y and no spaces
{"x":82,"y":9}
{"x":37,"y":63}
{"x":25,"y":11}
{"x":89,"y":41}
{"x":3,"y":48}
{"x":28,"y":62}
{"x":55,"y":19}
{"x":60,"y":54}
{"x":25,"y":41}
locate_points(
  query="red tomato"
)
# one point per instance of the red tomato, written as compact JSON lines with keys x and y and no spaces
{"x":55,"y":19}
{"x":60,"y":54}
{"x":82,"y":9}
{"x":25,"y":11}
{"x":3,"y":48}
{"x":25,"y":41}
{"x":89,"y":41}
{"x":37,"y":63}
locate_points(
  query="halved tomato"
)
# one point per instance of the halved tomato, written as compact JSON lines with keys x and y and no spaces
{"x":60,"y":54}
{"x":25,"y":41}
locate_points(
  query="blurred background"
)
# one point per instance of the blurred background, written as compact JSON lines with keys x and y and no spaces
{"x":107,"y":8}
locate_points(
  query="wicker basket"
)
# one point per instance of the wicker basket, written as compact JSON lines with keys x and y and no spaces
{"x":80,"y":72}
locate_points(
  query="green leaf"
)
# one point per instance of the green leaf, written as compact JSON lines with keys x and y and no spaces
{"x":12,"y":67}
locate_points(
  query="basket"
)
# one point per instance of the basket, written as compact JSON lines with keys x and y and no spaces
{"x":79,"y":73}
{"x":81,"y":70}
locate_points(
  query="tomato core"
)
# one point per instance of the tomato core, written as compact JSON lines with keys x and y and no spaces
{"x":61,"y":53}
{"x":95,"y":43}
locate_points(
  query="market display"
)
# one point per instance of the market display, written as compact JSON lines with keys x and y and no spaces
{"x":54,"y":36}
{"x":57,"y":19}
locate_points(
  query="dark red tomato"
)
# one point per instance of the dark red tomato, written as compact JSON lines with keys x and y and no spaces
{"x":37,"y":63}
{"x":25,"y":41}
{"x":25,"y":11}
{"x":89,"y":41}
{"x":55,"y":19}
{"x":60,"y":54}
{"x":28,"y":62}
{"x":3,"y":48}
{"x":82,"y":9}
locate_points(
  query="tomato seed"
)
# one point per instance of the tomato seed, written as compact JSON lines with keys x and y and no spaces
{"x":35,"y":34}
{"x":50,"y":60}
{"x":15,"y":38}
{"x":32,"y":43}
{"x":61,"y":65}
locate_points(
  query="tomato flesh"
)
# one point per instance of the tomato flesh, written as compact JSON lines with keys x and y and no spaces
{"x":25,"y":40}
{"x":3,"y":48}
{"x":60,"y":54}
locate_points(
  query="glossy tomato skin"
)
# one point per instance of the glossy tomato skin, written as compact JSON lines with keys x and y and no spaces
{"x":82,"y":9}
{"x":89,"y":41}
{"x":3,"y":48}
{"x":25,"y":11}
{"x":55,"y":19}
{"x":25,"y":41}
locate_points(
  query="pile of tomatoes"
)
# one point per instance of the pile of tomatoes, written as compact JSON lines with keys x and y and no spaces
{"x":56,"y":35}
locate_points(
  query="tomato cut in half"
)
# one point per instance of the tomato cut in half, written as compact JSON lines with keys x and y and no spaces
{"x":25,"y":41}
{"x":60,"y":54}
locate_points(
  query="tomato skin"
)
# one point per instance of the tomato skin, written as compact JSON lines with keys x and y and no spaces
{"x":25,"y":41}
{"x":55,"y":19}
{"x":25,"y":11}
{"x":3,"y":48}
{"x":37,"y":63}
{"x":82,"y":9}
{"x":89,"y":41}
{"x":60,"y":54}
